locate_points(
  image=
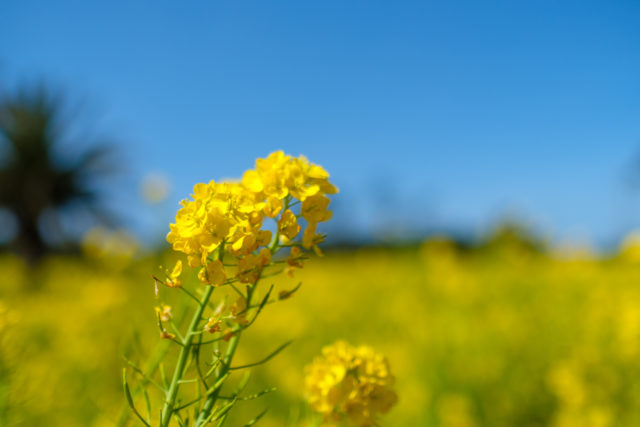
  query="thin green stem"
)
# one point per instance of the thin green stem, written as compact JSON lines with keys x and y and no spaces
{"x":237,"y":290}
{"x":225,"y":365}
{"x":224,"y":368}
{"x":211,"y":400}
{"x":266,"y":359}
{"x":190,"y":294}
{"x":172,"y":393}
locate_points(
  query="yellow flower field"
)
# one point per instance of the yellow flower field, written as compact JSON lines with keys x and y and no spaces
{"x":498,"y":336}
{"x":319,"y":214}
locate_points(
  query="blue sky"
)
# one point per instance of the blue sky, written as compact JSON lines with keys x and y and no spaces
{"x":429,"y":115}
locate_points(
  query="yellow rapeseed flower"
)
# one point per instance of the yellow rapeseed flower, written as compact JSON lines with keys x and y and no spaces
{"x":350,"y":383}
{"x":310,"y":238}
{"x":164,"y":313}
{"x":314,"y":209}
{"x":272,"y":207}
{"x":294,"y":260}
{"x":233,"y":213}
{"x":239,"y":311}
{"x":288,"y":225}
{"x":213,"y":325}
{"x":213,"y":273}
{"x":250,"y":266}
{"x":173,"y":280}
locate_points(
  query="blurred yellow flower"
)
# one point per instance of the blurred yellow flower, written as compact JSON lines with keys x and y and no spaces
{"x":352,"y":383}
{"x":212,"y":325}
{"x":164,"y":313}
{"x":630,"y":247}
{"x":167,"y":335}
{"x":173,"y":281}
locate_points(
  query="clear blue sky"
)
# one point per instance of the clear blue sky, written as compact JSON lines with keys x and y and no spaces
{"x":427,"y":114}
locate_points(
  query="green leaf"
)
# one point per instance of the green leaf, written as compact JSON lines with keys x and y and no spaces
{"x":143,"y":375}
{"x":127,"y":393}
{"x":147,"y":402}
{"x":222,"y":420}
{"x":243,"y":383}
{"x":287,"y":294}
{"x":223,"y":411}
{"x":186,"y":405}
{"x":218,"y":384}
{"x":163,"y":375}
{"x":266,"y":359}
{"x":256,"y":418}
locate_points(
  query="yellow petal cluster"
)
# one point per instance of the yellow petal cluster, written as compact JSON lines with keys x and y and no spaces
{"x":164,"y":312}
{"x":173,"y":278}
{"x":227,"y":219}
{"x":350,"y":383}
{"x":288,"y":225}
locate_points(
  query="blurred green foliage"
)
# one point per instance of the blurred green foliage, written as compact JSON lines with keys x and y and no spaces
{"x":47,"y":172}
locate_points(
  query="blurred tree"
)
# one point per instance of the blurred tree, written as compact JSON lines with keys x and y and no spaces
{"x":36,"y":177}
{"x":513,"y":234}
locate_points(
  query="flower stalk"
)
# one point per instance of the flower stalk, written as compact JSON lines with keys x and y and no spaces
{"x":167,"y":410}
{"x":222,"y":233}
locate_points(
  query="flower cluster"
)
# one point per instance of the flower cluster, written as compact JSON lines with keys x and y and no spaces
{"x":231,"y":232}
{"x":228,"y":218}
{"x":351,"y":383}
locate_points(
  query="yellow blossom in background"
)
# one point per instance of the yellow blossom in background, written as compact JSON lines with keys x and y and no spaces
{"x":352,"y":383}
{"x":155,"y":187}
{"x":630,"y":247}
{"x":469,"y":360}
{"x":115,"y":247}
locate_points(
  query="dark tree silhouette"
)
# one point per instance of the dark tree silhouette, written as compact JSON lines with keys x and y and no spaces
{"x":36,"y":177}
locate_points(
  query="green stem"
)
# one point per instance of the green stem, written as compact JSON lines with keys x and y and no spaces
{"x":159,"y":353}
{"x":233,"y":342}
{"x":226,"y":362}
{"x":172,"y":393}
